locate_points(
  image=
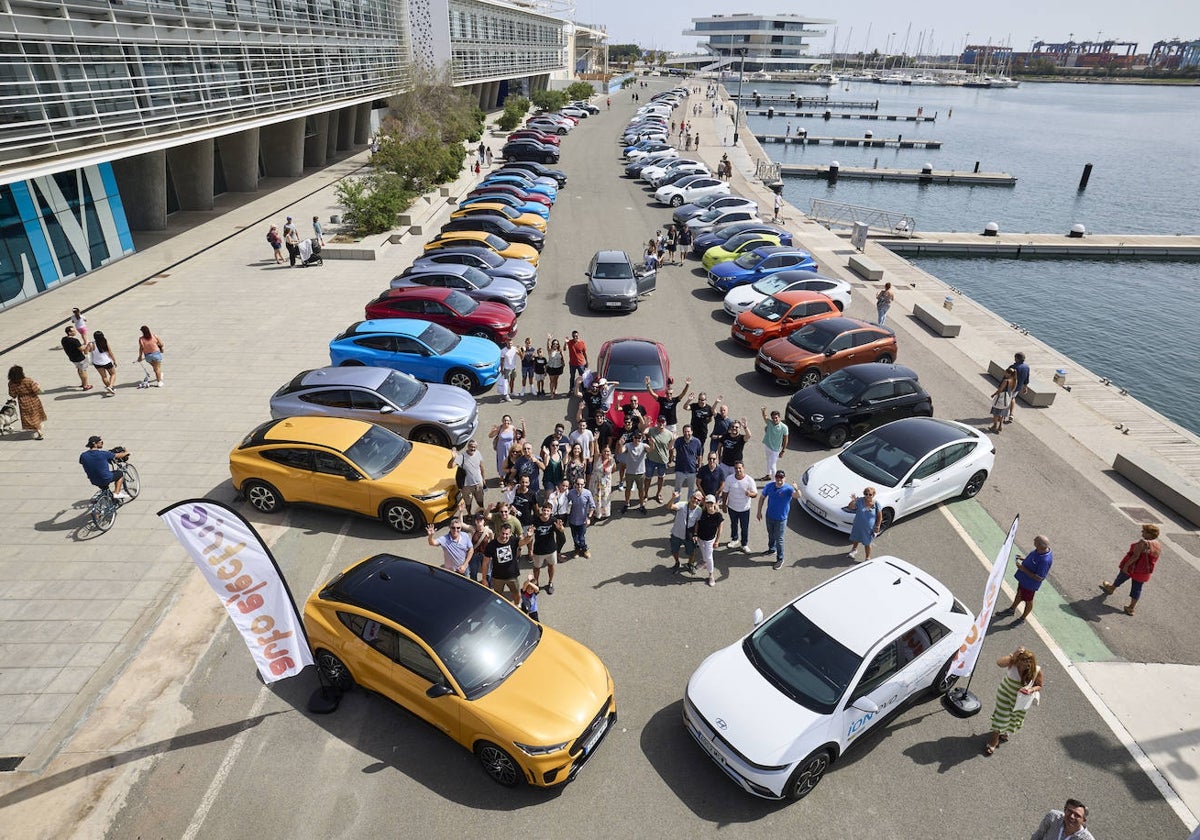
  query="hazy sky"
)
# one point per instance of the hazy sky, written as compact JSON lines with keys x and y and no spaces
{"x":660,"y":24}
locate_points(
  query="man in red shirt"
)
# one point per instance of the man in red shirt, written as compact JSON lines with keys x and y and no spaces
{"x":577,"y":356}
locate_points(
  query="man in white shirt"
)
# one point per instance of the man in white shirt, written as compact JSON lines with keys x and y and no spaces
{"x":736,"y":492}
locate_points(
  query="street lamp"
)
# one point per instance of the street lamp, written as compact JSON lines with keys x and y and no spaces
{"x":741,"y":78}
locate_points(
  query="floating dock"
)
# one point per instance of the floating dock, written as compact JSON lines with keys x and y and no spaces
{"x":1018,"y":245}
{"x":823,"y":101}
{"x":869,"y":142}
{"x":830,"y":115}
{"x":917,"y":176}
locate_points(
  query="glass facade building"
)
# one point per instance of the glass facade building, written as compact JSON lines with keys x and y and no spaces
{"x":771,"y":43}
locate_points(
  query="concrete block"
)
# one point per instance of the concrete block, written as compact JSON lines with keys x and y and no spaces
{"x":1035,"y":395}
{"x":330,"y":252}
{"x":939,"y":321}
{"x":1153,"y":476}
{"x":865,"y":267}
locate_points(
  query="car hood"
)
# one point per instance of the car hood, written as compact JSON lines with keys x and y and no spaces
{"x":729,"y":268}
{"x":742,"y":297}
{"x":554,"y":694}
{"x":614,"y":286}
{"x":444,"y":403}
{"x":423,"y":471}
{"x":834,"y":482}
{"x":513,"y":269}
{"x":506,"y":287}
{"x":760,"y":721}
{"x":472,"y":350}
{"x":782,"y":350}
{"x":810,"y":400}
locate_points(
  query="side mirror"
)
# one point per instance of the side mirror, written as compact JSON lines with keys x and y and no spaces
{"x":914,"y":482}
{"x":829,"y":352}
{"x":865,"y":704}
{"x":439,"y":689}
{"x":353,"y":476}
{"x":386,"y":409}
{"x":758,"y":616}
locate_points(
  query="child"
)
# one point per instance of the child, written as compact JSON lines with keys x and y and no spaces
{"x":529,"y":598}
{"x":539,"y":371}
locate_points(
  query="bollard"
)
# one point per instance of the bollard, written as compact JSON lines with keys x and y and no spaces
{"x":948,"y":303}
{"x":828,"y":115}
{"x":771,"y":113}
{"x":833,"y":172}
{"x":926,"y":173}
{"x":991,"y":229}
{"x":1083,"y":179}
{"x":1077,"y":232}
{"x":977,"y":166}
{"x":869,"y":135}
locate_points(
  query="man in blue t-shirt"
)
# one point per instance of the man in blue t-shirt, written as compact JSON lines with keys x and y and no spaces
{"x":777,"y":496}
{"x":97,"y":464}
{"x":1031,"y":571}
{"x":1022,"y":383}
{"x":687,"y":461}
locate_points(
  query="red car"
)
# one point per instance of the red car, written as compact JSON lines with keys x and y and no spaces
{"x":534,"y":134}
{"x":451,"y":308}
{"x":627,"y":362}
{"x":516,"y":192}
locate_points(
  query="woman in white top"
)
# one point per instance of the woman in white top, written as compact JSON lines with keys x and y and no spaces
{"x":104,"y":361}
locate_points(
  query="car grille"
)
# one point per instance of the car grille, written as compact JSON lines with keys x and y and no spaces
{"x":598,"y":722}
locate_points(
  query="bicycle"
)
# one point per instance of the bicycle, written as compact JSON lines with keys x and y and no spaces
{"x":103,"y":505}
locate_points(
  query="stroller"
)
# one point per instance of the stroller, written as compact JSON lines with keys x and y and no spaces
{"x":310,"y":253}
{"x":8,"y":416}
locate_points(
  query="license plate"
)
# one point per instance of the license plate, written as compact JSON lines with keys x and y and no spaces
{"x":595,"y":737}
{"x":763,"y":366}
{"x":613,"y":304}
{"x":793,"y":417}
{"x":815,"y":509}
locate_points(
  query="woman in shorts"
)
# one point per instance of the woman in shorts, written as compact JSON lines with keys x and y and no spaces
{"x":103,"y":361}
{"x":555,"y":363}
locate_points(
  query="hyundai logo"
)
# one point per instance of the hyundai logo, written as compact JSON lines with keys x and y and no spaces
{"x":721,"y":724}
{"x":828,"y":491}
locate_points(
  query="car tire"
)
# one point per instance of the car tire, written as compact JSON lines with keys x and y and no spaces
{"x":676,"y":200}
{"x":974,"y":484}
{"x":840,"y":306}
{"x":351,"y":363}
{"x":944,"y":681}
{"x":462,"y":378}
{"x":480,"y":332}
{"x":334,"y":670}
{"x":885,"y":358}
{"x":402,"y":517}
{"x":887,"y":516}
{"x":500,"y":767}
{"x":810,"y":377}
{"x":837,"y":436}
{"x":262,"y":496}
{"x":431,"y":435}
{"x":807,"y":775}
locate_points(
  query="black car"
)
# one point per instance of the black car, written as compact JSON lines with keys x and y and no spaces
{"x":529,"y":150}
{"x":535,"y":168}
{"x":634,"y":169}
{"x":856,"y":399}
{"x":500,"y":226}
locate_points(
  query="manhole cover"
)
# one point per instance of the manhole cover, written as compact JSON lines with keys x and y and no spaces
{"x":1139,"y":514}
{"x":8,"y":763}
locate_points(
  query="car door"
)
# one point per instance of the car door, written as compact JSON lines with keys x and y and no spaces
{"x":438,"y":313}
{"x":375,"y":350}
{"x":411,"y":356}
{"x":329,"y":402}
{"x":404,"y":307}
{"x":957,"y":466}
{"x":925,"y":484}
{"x":337,"y":483}
{"x":838,"y":353}
{"x":646,"y":281}
{"x":876,"y":406}
{"x":288,"y":468}
{"x":881,"y":685}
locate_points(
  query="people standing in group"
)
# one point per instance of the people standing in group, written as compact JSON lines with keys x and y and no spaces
{"x":736,"y":492}
{"x":276,"y":242}
{"x":660,"y":453}
{"x":868,"y":521}
{"x":318,"y":231}
{"x":720,"y":425}
{"x":291,"y":239}
{"x":510,"y":361}
{"x":708,"y":536}
{"x":1002,"y":399}
{"x":775,"y":440}
{"x":581,"y":510}
{"x":541,"y":535}
{"x":502,"y":436}
{"x":1032,"y":570}
{"x":731,"y":446}
{"x":25,"y":391}
{"x":1018,"y":691}
{"x":470,"y":460}
{"x":502,"y":562}
{"x":683,"y":527}
{"x":73,"y":346}
{"x":150,"y":349}
{"x":672,"y":243}
{"x":634,"y":449}
{"x":684,"y":238}
{"x":1022,"y":370}
{"x":1137,"y":565}
{"x":103,"y":361}
{"x":883,"y":302}
{"x":777,"y":498}
{"x":1067,"y":824}
{"x":577,"y":356}
{"x":668,"y":400}
{"x":702,"y":414}
{"x":650,"y":258}
{"x":527,"y":354}
{"x":481,"y":535}
{"x":555,"y":363}
{"x":600,"y":482}
{"x":688,"y":451}
{"x":455,"y":546}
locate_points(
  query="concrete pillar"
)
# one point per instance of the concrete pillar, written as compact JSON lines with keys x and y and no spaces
{"x":142,"y":181}
{"x":362,"y":124}
{"x":345,"y":134}
{"x":314,"y":144}
{"x":239,"y":159}
{"x":483,"y":94}
{"x":331,"y":139}
{"x":191,"y":168}
{"x":282,"y":146}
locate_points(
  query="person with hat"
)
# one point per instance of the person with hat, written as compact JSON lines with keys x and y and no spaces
{"x":97,"y":465}
{"x":777,"y":496}
{"x":708,"y":535}
{"x":291,"y":238}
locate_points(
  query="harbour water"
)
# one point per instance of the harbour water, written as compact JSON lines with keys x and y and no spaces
{"x":1134,"y":322}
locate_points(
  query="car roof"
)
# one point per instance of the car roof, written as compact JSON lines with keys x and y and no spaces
{"x":390,"y":326}
{"x":871,"y":372}
{"x":888,"y":592}
{"x":842,"y":324}
{"x":336,"y":433}
{"x":798,"y":296}
{"x":419,"y":291}
{"x":355,"y":376}
{"x":427,"y":600}
{"x":632,"y":347}
{"x":441,"y":268}
{"x":611,"y":257}
{"x":923,"y":434}
{"x":768,"y":250}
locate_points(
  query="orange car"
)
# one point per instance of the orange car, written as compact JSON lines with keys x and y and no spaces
{"x":810,"y":354}
{"x":781,"y":315}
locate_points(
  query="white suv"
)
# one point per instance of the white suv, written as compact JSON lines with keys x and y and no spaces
{"x":777,"y":707}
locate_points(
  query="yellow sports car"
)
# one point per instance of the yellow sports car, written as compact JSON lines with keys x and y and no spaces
{"x":456,"y":238}
{"x":531,"y":703}
{"x":489,"y":208}
{"x":348,"y":465}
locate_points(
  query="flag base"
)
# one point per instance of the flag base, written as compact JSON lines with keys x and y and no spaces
{"x":961,"y":703}
{"x":324,"y":700}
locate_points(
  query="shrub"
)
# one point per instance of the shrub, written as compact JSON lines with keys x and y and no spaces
{"x":372,"y":202}
{"x":580,"y":90}
{"x":549,"y":100}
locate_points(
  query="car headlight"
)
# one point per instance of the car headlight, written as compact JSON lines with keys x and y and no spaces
{"x":429,"y":497}
{"x":481,"y":365}
{"x":755,"y":331}
{"x":804,"y":478}
{"x":458,"y":420}
{"x":817,"y":418}
{"x":546,"y":750}
{"x":788,"y":369}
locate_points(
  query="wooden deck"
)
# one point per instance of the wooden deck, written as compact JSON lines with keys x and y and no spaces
{"x":1045,"y":245}
{"x":937,"y":176}
{"x":867,"y":142}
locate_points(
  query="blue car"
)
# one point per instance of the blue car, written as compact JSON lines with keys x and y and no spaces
{"x":511,"y":200}
{"x":759,"y":263}
{"x":524,"y":183}
{"x":429,"y":352}
{"x":718,"y":236}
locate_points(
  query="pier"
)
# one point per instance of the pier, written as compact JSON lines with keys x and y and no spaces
{"x":869,"y":142}
{"x":1018,"y":245}
{"x":830,"y":115}
{"x":869,"y":104}
{"x":918,"y":176}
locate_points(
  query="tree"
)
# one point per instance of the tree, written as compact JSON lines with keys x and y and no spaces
{"x":372,"y":202}
{"x":549,"y":100}
{"x":515,"y":109}
{"x":580,"y":90}
{"x":623,"y":53}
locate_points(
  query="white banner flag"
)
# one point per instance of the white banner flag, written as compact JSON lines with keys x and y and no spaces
{"x":243,"y":574}
{"x":964,"y":663}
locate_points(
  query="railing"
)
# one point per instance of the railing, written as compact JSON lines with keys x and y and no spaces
{"x":885,"y":222}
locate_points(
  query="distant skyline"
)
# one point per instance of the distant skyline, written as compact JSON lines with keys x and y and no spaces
{"x":945,"y":23}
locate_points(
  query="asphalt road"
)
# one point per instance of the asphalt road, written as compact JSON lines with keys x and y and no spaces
{"x":251,"y":761}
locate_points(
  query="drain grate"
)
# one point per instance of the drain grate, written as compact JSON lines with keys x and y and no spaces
{"x":1139,"y":514}
{"x":8,"y":763}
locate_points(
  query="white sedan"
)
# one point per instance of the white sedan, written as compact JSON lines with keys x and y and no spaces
{"x":638,"y":154}
{"x":675,"y":195}
{"x":744,"y":298}
{"x":912,"y":463}
{"x":659,"y":169}
{"x":777,"y":707}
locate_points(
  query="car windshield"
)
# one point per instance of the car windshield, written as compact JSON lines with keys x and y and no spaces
{"x":813,"y":338}
{"x":749,"y":260}
{"x":771,"y":309}
{"x":613,"y":270}
{"x":712,"y":213}
{"x":770,"y":285}
{"x":378,"y":451}
{"x":476,"y":277}
{"x":802,"y":660}
{"x":460,"y":303}
{"x":401,"y":390}
{"x":707,"y":200}
{"x":439,"y":339}
{"x":495,"y":242}
{"x":841,"y":387}
{"x":882,"y":459}
{"x":487,"y":646}
{"x":630,"y":367}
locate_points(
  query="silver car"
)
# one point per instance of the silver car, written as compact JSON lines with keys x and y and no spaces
{"x":614,"y":285}
{"x":466,"y":279}
{"x":485,"y":259}
{"x":427,"y":413}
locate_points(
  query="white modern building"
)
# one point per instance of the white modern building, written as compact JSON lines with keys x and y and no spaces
{"x":769,"y":43}
{"x":116,"y":113}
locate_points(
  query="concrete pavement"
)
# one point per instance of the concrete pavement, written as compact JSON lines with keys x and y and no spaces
{"x":76,"y":610}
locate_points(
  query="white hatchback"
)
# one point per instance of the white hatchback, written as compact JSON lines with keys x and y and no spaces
{"x":743,"y":298}
{"x":778,"y":706}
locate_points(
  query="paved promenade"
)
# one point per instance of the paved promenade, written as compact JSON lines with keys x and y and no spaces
{"x":76,"y":608}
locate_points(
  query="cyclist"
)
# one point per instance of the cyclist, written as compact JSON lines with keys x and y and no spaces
{"x":97,"y":464}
